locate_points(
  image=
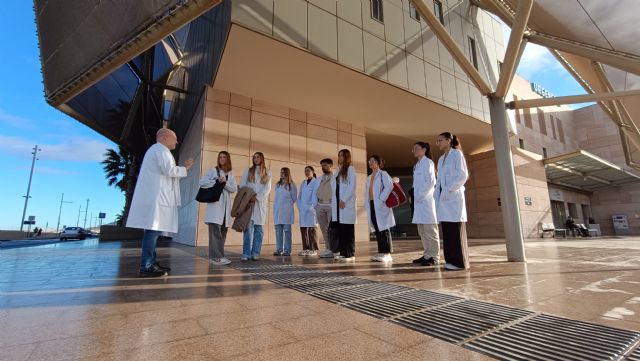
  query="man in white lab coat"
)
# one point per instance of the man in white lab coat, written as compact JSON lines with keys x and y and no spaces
{"x":156,"y":199}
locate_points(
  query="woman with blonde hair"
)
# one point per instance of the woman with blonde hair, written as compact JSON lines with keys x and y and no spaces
{"x":258,"y":178}
{"x":283,"y":217}
{"x":218,"y":216}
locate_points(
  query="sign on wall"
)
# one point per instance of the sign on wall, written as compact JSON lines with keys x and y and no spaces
{"x":556,"y":194}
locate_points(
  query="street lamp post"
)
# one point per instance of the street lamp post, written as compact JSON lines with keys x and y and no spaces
{"x":60,"y":212}
{"x":26,"y":198}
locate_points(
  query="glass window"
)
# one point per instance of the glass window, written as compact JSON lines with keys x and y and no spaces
{"x":376,"y":10}
{"x":473,"y":55}
{"x":544,"y":152}
{"x":521,"y":141}
{"x":437,"y":10}
{"x":413,"y":12}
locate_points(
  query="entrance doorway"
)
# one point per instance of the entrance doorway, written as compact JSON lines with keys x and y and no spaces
{"x":559,"y":214}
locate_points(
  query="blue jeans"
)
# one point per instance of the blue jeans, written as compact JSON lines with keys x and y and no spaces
{"x":149,"y":241}
{"x":253,"y":231}
{"x":283,"y":231}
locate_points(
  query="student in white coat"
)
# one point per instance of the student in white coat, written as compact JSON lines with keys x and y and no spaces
{"x":450,"y":203}
{"x":424,"y":205}
{"x":307,"y":201}
{"x":283,"y":217}
{"x":378,"y":187}
{"x":343,"y":206}
{"x":156,"y":199}
{"x":258,"y":178}
{"x":218,"y":216}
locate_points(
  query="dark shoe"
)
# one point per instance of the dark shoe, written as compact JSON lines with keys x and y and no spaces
{"x":277,"y":253}
{"x":419,"y":260}
{"x":255,"y":258}
{"x":153,"y":271}
{"x":286,"y":254}
{"x":429,"y":262}
{"x":166,"y":269}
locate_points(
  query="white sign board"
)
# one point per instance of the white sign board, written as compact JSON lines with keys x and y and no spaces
{"x":556,"y":194}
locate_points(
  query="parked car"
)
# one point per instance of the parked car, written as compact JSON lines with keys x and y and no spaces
{"x":74,"y":233}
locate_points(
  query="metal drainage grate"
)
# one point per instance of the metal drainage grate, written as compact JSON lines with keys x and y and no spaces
{"x":634,"y":356}
{"x":294,"y":279}
{"x":399,"y":304}
{"x":545,"y":337}
{"x":502,"y":332}
{"x":327,"y":283}
{"x":460,"y":321}
{"x":360,"y":292}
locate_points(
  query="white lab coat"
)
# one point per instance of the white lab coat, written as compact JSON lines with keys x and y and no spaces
{"x":449,"y":192}
{"x":307,"y":201}
{"x":283,"y":204}
{"x":259,"y":215}
{"x":382,"y":187}
{"x":157,"y":195}
{"x":424,"y":203}
{"x":348,"y":215}
{"x":220,"y":210}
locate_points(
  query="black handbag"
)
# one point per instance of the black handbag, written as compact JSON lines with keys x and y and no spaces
{"x":211,"y":194}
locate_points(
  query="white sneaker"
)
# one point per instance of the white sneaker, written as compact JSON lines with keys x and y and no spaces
{"x":304,"y":252}
{"x":326,"y":254}
{"x":377,"y":257}
{"x":312,"y":253}
{"x":219,"y":261}
{"x":345,"y":259}
{"x":387,"y":258}
{"x":451,"y":267}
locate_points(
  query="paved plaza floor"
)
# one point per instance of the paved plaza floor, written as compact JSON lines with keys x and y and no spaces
{"x":82,"y":300}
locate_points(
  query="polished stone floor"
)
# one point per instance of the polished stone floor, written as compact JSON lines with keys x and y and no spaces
{"x":83,"y":300}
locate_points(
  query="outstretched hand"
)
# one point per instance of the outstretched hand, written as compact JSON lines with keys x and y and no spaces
{"x":188,"y":163}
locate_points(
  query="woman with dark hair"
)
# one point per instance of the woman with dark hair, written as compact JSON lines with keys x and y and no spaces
{"x":307,"y":201}
{"x":450,"y":204}
{"x":378,"y":187}
{"x":283,"y":217}
{"x":258,"y":178}
{"x":424,"y":215}
{"x":343,"y":206}
{"x":218,"y":216}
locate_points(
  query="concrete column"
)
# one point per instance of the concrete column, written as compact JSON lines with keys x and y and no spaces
{"x":507,"y":179}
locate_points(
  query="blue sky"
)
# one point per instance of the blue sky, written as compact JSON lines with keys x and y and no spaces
{"x":71,"y":152}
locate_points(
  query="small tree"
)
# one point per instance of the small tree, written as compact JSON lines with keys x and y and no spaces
{"x":121,"y":171}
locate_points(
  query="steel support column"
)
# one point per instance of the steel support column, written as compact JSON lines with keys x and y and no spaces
{"x":507,"y":179}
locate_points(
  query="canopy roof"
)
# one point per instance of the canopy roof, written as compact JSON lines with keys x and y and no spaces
{"x":586,"y":171}
{"x":596,"y":41}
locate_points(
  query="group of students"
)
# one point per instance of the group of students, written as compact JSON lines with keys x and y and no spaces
{"x":330,"y":203}
{"x":315,"y":201}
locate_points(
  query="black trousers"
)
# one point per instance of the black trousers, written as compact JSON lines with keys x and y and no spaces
{"x":454,"y":244}
{"x":383,"y":237}
{"x":346,"y":239}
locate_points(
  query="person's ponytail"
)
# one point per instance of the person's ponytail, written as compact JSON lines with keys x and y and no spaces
{"x":455,"y":143}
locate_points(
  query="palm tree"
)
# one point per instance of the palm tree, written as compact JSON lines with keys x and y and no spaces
{"x":121,"y":171}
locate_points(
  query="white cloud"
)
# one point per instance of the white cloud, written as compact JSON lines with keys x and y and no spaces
{"x":536,"y":60}
{"x":15,"y":121}
{"x":49,"y":170}
{"x":73,"y":149}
